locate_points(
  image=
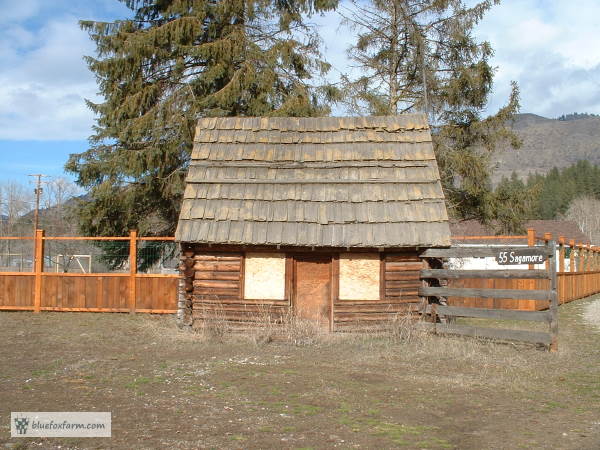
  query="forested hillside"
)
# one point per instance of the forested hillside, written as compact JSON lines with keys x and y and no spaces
{"x":571,"y":193}
{"x":549,"y":143}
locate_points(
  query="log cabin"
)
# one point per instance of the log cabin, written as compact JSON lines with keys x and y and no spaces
{"x":322,"y":218}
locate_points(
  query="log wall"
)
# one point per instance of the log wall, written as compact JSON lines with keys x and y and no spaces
{"x":214,"y":285}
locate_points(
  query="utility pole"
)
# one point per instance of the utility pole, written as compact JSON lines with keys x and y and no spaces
{"x":38,"y":192}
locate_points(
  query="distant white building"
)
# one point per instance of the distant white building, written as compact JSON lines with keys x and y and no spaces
{"x":471,"y":233}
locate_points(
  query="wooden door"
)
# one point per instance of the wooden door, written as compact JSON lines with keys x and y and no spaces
{"x":312,"y":287}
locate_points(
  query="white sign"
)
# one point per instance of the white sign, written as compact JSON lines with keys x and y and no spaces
{"x":60,"y":424}
{"x":520,"y":256}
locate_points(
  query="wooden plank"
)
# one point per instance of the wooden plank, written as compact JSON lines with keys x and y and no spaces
{"x":16,"y":274}
{"x":67,"y":309}
{"x":533,"y":337}
{"x":485,"y":293}
{"x":444,"y":274}
{"x":382,"y":280}
{"x":335,"y":287}
{"x":477,"y":252}
{"x":16,"y":308}
{"x":486,"y":313}
{"x":107,"y":274}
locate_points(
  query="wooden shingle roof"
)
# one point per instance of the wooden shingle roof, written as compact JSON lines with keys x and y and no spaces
{"x":323,"y":182}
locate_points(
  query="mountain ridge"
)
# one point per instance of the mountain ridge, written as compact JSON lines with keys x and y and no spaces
{"x":548,"y":143}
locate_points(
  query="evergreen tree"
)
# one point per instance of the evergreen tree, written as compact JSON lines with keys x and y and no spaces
{"x":172,"y":62}
{"x":513,"y":199}
{"x":420,"y":55}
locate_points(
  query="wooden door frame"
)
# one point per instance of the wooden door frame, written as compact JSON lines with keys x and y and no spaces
{"x":333,"y":278}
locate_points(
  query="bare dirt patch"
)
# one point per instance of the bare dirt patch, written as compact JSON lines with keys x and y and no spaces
{"x":591,"y":313}
{"x":170,"y":388}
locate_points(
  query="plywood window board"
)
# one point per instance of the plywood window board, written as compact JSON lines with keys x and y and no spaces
{"x":264,"y":276}
{"x":359,"y":277}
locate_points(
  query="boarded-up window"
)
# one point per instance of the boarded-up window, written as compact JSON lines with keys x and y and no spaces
{"x":359,"y":276}
{"x":264,"y":276}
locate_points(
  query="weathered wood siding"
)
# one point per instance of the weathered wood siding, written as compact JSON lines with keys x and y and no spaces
{"x":400,"y":281}
{"x":214,"y":284}
{"x":16,"y":291}
{"x":218,"y":293}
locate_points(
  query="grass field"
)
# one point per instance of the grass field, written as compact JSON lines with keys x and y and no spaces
{"x":170,"y":388}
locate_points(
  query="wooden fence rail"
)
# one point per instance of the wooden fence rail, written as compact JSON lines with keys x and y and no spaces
{"x":435,"y":291}
{"x":581,"y":279}
{"x":93,"y":292}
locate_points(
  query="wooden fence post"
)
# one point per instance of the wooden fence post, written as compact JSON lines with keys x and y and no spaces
{"x":580,"y":251}
{"x":38,"y":268}
{"x":547,"y":239}
{"x":561,"y":254}
{"x":572,"y":255}
{"x":553,"y":299}
{"x":530,"y":283}
{"x":132,"y":270}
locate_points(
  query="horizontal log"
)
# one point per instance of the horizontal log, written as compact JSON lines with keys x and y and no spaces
{"x":385,"y":301}
{"x":404,"y":284}
{"x":217,"y":284}
{"x":218,"y":266}
{"x":402,"y":267}
{"x":533,"y":337}
{"x":237,"y":300}
{"x":366,"y":317}
{"x":389,"y":307}
{"x":407,"y":257}
{"x":234,"y":316}
{"x":254,"y":309}
{"x":478,"y":252}
{"x":222,"y":257}
{"x":216,"y":291}
{"x":485,"y":313}
{"x":408,"y":275}
{"x":485,"y":293}
{"x":215,"y":275}
{"x":402,"y":292}
{"x":443,"y":274}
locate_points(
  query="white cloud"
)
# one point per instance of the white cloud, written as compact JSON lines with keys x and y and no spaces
{"x":18,"y":10}
{"x":550,"y":49}
{"x":44,"y":80}
{"x":42,"y":88}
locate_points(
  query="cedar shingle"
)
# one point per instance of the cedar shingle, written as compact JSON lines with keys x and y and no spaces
{"x":308,"y":212}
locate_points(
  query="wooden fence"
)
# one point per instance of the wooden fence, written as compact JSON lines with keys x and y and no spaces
{"x":438,"y":286}
{"x":93,"y":292}
{"x":581,"y":280}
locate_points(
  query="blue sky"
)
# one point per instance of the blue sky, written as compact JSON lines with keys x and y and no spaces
{"x":550,"y":47}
